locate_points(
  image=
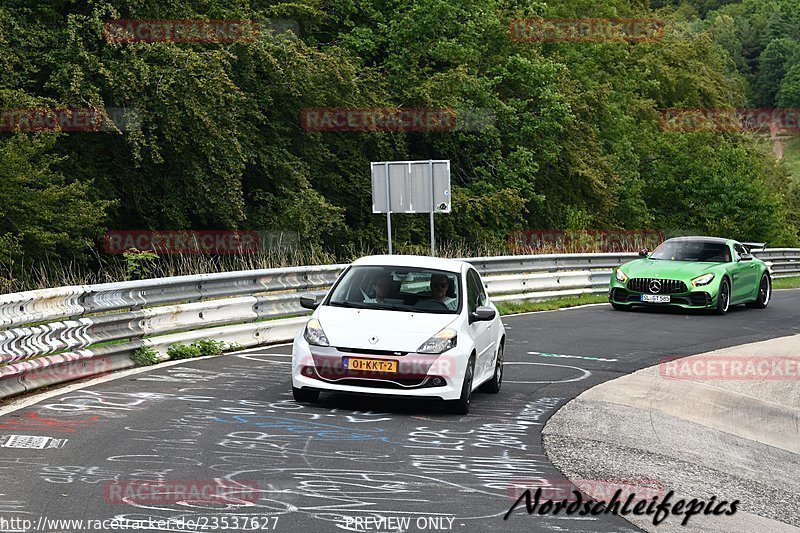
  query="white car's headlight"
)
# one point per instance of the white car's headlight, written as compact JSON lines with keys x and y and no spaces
{"x":705,"y":279}
{"x":441,"y":342}
{"x":314,"y":335}
{"x":620,"y":275}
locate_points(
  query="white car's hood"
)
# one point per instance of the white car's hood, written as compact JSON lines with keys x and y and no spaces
{"x":395,"y":330}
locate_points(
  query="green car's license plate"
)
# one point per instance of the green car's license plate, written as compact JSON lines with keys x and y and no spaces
{"x":655,"y":298}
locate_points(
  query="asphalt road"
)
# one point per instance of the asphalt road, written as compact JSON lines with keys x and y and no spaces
{"x":347,"y":463}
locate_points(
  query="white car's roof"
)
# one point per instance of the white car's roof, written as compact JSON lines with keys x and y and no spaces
{"x":419,"y":261}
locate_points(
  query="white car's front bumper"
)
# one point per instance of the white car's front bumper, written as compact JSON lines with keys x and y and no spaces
{"x":449,"y":366}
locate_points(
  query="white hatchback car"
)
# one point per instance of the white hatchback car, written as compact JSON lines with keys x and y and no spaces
{"x":404,"y":326}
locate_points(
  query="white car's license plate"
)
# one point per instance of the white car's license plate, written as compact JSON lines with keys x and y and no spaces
{"x":375,"y":365}
{"x":655,"y":298}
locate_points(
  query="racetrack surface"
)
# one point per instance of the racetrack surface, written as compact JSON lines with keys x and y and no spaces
{"x":320,"y":467}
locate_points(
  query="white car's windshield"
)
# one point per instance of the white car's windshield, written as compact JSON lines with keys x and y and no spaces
{"x":399,"y":289}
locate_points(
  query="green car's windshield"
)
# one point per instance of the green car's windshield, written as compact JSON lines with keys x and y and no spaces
{"x":699,"y":251}
{"x":392,"y":288}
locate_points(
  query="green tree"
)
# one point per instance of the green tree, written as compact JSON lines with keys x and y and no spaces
{"x":773,"y":64}
{"x":789,"y":93}
{"x":42,"y":212}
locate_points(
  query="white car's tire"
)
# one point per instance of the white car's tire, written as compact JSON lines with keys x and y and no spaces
{"x":461,"y":406}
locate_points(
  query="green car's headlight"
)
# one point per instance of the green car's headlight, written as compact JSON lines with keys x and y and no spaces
{"x":705,"y":279}
{"x":620,"y":275}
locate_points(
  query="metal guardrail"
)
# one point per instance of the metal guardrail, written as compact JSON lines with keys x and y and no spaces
{"x":55,"y":335}
{"x":784,"y":262}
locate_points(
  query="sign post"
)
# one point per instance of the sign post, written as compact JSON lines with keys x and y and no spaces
{"x":388,"y":211}
{"x":433,"y":195}
{"x":411,"y":187}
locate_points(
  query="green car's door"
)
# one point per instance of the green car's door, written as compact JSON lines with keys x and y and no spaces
{"x":744,"y":276}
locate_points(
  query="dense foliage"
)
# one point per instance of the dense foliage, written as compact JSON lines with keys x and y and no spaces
{"x":215,"y":140}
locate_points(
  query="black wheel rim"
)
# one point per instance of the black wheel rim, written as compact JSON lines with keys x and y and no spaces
{"x":500,"y":366}
{"x":468,"y":384}
{"x":764,"y":291}
{"x":724,"y":296}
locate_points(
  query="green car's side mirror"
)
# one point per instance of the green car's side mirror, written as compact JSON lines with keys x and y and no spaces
{"x":643,"y":252}
{"x":746,"y":257}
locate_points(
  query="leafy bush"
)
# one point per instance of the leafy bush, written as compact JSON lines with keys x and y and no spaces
{"x":209,"y":347}
{"x":145,"y":356}
{"x":138,"y":264}
{"x":201,"y":348}
{"x":183,"y":351}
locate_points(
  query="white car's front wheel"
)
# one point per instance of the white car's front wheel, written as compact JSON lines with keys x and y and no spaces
{"x":305,"y":395}
{"x":461,"y":406}
{"x":493,"y":385}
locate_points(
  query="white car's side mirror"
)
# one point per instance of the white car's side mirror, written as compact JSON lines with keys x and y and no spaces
{"x":309,"y":301}
{"x":482,"y":313}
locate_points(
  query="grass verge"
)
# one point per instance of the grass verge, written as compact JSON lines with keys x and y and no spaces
{"x":791,"y":156}
{"x":509,"y":308}
{"x":786,"y":283}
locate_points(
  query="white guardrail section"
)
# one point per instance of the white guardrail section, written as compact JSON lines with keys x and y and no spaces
{"x":51,"y":336}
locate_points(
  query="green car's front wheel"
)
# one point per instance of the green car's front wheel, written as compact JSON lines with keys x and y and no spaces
{"x":723,"y":297}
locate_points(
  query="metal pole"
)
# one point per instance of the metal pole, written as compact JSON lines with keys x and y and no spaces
{"x":388,"y":208}
{"x":433,"y":199}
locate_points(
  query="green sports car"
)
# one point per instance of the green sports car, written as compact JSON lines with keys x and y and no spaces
{"x":694,"y":273}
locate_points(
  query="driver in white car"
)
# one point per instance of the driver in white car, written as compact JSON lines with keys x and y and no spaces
{"x":381,"y":286}
{"x":439,"y":285}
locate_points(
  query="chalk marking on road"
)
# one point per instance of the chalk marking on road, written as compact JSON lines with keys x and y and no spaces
{"x":257,"y":355}
{"x":585,"y":374}
{"x":563,"y":356}
{"x":260,"y":360}
{"x":266,"y":357}
{"x":248,"y":350}
{"x":36,"y":398}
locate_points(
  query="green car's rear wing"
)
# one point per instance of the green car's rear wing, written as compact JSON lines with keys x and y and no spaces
{"x":749,"y":246}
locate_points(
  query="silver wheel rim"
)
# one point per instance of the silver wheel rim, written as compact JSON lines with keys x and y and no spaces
{"x":765,"y":291}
